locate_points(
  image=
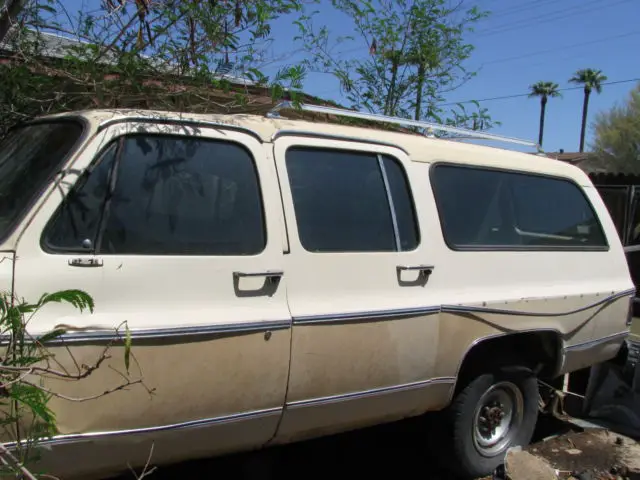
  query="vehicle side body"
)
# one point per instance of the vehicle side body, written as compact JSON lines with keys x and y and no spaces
{"x":277,"y":338}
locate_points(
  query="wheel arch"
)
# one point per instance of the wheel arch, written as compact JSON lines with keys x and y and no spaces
{"x":539,"y":350}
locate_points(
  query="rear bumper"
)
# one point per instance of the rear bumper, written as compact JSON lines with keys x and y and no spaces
{"x":586,"y":354}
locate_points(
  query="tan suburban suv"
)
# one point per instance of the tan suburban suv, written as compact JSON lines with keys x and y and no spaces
{"x":288,"y":279}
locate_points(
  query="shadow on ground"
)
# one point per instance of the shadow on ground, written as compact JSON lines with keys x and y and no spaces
{"x":399,"y":450}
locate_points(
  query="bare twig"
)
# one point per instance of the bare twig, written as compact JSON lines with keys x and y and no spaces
{"x":20,"y":378}
{"x":122,"y":386}
{"x":145,"y":471}
{"x":16,"y":464}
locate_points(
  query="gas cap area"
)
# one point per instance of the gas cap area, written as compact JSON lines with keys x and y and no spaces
{"x":6,"y":271}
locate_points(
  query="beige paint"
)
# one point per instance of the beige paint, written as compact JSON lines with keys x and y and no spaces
{"x":367,"y":354}
{"x":192,"y":380}
{"x":312,"y":379}
{"x":304,"y":422}
{"x":100,"y":457}
{"x":6,"y":271}
{"x":460,"y":332}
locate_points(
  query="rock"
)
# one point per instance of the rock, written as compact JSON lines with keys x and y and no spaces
{"x":521,"y":465}
{"x":629,"y":455}
{"x":573,"y":451}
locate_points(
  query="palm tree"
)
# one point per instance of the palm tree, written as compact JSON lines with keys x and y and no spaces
{"x":544,"y":90}
{"x":592,"y":80}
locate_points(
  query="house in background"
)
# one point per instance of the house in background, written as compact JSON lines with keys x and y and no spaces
{"x":165,"y":88}
{"x":619,"y":188}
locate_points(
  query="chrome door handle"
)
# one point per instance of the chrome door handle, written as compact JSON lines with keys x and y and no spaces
{"x":420,"y":268}
{"x":85,"y":262}
{"x":268,"y":274}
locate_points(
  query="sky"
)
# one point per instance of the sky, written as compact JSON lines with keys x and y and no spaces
{"x":520,"y":43}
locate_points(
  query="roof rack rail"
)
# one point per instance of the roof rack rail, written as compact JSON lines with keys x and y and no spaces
{"x":429,"y":126}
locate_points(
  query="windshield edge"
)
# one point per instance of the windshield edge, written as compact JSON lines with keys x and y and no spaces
{"x":86,"y":130}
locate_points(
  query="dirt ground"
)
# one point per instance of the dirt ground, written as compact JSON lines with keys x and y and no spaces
{"x":397,"y":450}
{"x":594,"y":454}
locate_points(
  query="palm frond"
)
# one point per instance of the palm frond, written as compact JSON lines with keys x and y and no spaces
{"x":544,"y":89}
{"x":591,"y":78}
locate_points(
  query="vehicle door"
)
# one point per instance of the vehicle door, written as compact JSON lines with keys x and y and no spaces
{"x":361,"y":282}
{"x":174,"y":229}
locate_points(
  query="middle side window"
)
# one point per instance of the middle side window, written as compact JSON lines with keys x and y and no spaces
{"x":348,"y":201}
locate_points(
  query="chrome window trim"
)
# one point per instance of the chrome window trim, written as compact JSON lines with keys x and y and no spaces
{"x":254,"y":414}
{"x":178,"y":121}
{"x":499,"y":311}
{"x":88,"y":336}
{"x":392,"y":207}
{"x":374,"y":315}
{"x":74,"y":437}
{"x":170,"y":332}
{"x":578,"y":347}
{"x":366,"y":316}
{"x":328,"y":136}
{"x":370,"y":393}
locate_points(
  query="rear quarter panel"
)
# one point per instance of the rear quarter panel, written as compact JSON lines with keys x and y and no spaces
{"x":581,"y":296}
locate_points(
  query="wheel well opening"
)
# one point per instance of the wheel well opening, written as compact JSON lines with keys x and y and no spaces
{"x":539,"y":351}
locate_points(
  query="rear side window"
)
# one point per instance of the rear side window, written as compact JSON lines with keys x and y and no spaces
{"x":166,"y":195}
{"x":488,"y":209}
{"x":349,"y":201}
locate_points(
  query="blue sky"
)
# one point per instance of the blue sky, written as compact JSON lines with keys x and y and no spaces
{"x":520,"y":43}
{"x":602,"y":34}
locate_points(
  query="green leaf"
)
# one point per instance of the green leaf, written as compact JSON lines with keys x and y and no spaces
{"x":78,"y":298}
{"x":47,"y":337}
{"x":34,"y":399}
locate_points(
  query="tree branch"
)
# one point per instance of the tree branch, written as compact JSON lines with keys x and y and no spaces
{"x":92,"y":397}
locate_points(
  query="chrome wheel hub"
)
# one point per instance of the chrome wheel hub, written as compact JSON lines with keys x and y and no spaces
{"x":497,"y":418}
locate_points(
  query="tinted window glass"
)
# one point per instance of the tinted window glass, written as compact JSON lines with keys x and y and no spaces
{"x":340,"y":201}
{"x":467,"y":200}
{"x":77,"y":220}
{"x":29,"y":156}
{"x":403,"y":204}
{"x":177,"y":195}
{"x":480,"y":207}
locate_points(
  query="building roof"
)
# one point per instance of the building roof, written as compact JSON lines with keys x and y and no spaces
{"x":571,"y":157}
{"x":595,"y":166}
{"x":57,"y":46}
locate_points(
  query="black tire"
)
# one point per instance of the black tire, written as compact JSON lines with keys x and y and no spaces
{"x":469,"y":457}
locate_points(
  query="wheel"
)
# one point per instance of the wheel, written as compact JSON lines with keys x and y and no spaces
{"x":493,"y":412}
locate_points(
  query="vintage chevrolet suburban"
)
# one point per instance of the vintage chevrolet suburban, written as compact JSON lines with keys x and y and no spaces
{"x":288,"y":279}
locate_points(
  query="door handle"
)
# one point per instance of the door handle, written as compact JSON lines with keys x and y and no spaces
{"x":85,"y":262}
{"x":421,"y":268}
{"x":267,"y":273}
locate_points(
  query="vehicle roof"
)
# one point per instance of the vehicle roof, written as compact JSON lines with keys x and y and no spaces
{"x":419,"y":147}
